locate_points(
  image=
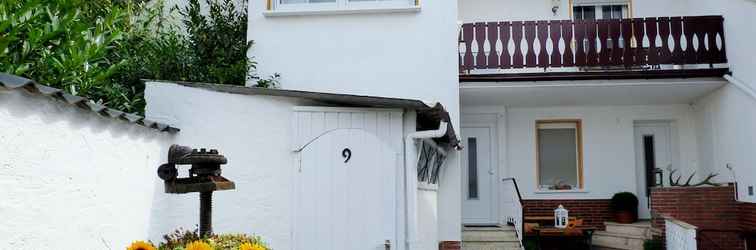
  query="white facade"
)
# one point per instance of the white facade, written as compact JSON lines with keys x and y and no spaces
{"x":379,"y":53}
{"x":269,"y":140}
{"x":73,"y":179}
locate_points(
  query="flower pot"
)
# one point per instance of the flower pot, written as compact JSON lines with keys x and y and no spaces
{"x":624,"y":217}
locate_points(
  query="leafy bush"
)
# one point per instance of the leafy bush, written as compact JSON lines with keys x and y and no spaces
{"x":101,"y":49}
{"x":653,"y":244}
{"x":624,"y":201}
{"x":178,"y":239}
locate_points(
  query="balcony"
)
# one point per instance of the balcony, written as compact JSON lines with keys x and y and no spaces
{"x":655,"y":47}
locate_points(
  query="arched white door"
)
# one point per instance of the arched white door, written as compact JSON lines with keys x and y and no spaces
{"x":345,"y":193}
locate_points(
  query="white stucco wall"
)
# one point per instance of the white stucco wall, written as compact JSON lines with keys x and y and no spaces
{"x":255,"y":133}
{"x":522,"y":10}
{"x":726,"y":119}
{"x":608,"y":144}
{"x":72,"y":179}
{"x":727,"y":116}
{"x":406,"y":55}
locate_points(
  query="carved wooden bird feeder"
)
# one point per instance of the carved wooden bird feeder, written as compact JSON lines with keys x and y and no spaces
{"x":204,"y":178}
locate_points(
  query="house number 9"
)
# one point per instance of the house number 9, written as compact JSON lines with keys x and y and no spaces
{"x":347,"y":154}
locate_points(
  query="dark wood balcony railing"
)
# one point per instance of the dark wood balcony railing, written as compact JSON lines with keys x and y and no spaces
{"x":630,"y":43}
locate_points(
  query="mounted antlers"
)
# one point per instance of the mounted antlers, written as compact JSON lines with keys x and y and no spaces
{"x":705,"y":181}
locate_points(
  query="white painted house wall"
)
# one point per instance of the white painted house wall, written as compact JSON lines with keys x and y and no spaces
{"x":259,"y":136}
{"x":728,"y":116}
{"x":73,"y":179}
{"x":405,"y":55}
{"x":608,"y":143}
{"x":525,"y":10}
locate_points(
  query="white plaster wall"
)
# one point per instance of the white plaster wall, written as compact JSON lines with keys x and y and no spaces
{"x":727,"y":119}
{"x":608,"y":144}
{"x":72,"y":179}
{"x":516,"y":10}
{"x":406,"y":55}
{"x":255,"y":134}
{"x":727,"y":116}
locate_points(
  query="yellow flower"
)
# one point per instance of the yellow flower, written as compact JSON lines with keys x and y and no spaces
{"x":250,"y":246}
{"x":140,"y":245}
{"x":198,"y":245}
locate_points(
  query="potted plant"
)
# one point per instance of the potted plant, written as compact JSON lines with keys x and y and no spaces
{"x":625,"y":207}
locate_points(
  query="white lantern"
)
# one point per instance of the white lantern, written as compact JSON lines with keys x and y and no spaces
{"x":561,"y":217}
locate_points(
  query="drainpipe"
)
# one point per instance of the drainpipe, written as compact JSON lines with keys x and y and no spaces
{"x":741,"y":85}
{"x":410,"y":172}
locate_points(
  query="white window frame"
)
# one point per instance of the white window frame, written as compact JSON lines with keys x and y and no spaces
{"x":599,"y":4}
{"x":560,"y":124}
{"x":343,"y":5}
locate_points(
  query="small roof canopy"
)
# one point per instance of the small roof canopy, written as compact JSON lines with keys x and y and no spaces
{"x":428,"y":116}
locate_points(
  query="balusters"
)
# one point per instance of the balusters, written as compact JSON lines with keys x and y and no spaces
{"x":506,"y":58}
{"x":641,"y":53}
{"x":581,"y":42}
{"x":480,"y":39}
{"x":530,"y":56}
{"x":467,"y":37}
{"x":517,"y":56}
{"x":568,"y":57}
{"x":543,"y":35}
{"x":653,"y":52}
{"x":675,"y":24}
{"x":555,"y":28}
{"x":591,"y":53}
{"x":493,"y":36}
{"x":565,"y":43}
{"x":627,"y":34}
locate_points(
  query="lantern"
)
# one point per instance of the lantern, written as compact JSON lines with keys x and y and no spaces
{"x":658,"y":177}
{"x":561,"y":217}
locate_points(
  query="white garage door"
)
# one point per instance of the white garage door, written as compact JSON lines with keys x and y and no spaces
{"x":346,"y":193}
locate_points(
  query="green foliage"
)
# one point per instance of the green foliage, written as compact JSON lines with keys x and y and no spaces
{"x":180,"y":238}
{"x":653,"y":244}
{"x":59,"y":43}
{"x":101,"y":49}
{"x":624,"y":201}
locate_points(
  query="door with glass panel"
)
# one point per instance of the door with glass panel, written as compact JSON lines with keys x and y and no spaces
{"x":478,"y":176}
{"x":653,"y":149}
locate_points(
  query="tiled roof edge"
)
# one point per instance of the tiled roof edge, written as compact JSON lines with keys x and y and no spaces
{"x":12,"y":82}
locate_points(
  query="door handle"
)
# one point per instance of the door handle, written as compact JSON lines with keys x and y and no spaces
{"x":387,"y":245}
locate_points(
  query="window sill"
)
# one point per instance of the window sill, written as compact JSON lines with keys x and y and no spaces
{"x":573,"y":191}
{"x":341,"y":11}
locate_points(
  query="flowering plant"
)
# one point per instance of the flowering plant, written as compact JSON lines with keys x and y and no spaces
{"x":191,"y":240}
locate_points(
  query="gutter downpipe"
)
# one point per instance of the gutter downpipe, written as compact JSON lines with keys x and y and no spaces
{"x":410,"y":171}
{"x":741,"y":85}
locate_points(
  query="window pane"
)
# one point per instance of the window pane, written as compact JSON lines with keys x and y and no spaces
{"x":577,"y":12}
{"x":557,"y":153}
{"x":472,"y":168}
{"x":617,"y":12}
{"x":606,"y":12}
{"x":589,"y":13}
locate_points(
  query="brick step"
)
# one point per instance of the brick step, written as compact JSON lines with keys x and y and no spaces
{"x":491,"y":246}
{"x":642,"y":228}
{"x":494,"y":234}
{"x":618,"y":241}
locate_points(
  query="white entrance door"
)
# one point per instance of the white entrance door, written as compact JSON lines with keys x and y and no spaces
{"x":653,"y":149}
{"x":478,"y":177}
{"x":345,"y":193}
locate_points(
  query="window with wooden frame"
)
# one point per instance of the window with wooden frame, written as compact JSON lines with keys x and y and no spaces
{"x":314,"y":5}
{"x":559,"y":154}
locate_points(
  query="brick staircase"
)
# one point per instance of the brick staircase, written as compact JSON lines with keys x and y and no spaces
{"x":623,"y":236}
{"x":490,"y":238}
